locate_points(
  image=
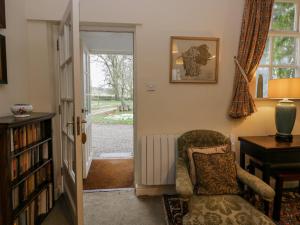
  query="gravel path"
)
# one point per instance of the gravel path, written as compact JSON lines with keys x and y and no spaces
{"x":111,"y":139}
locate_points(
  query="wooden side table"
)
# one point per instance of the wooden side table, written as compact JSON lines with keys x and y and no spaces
{"x":271,"y":154}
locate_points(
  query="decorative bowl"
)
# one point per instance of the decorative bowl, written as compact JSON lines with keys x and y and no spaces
{"x":21,"y":110}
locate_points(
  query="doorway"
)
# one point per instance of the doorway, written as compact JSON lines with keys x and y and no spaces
{"x":107,"y":70}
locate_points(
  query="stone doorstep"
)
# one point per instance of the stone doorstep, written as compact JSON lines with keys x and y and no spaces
{"x":115,"y":155}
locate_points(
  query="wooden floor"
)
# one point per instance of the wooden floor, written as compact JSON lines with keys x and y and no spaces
{"x":109,"y":174}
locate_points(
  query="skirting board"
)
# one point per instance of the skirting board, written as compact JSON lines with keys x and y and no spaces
{"x":154,"y":190}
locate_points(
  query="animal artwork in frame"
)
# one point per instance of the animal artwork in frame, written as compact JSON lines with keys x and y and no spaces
{"x":194,"y":59}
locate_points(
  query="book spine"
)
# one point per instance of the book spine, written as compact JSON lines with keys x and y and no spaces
{"x":16,"y":139}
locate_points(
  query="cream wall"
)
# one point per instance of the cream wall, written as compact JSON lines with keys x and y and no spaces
{"x":29,"y":61}
{"x":41,"y":68}
{"x":172,"y":108}
{"x":17,"y":89}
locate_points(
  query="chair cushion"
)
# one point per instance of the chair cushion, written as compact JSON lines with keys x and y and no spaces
{"x":204,"y":150}
{"x":216,"y":173}
{"x":223,"y":210}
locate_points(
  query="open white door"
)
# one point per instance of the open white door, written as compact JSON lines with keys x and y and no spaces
{"x":70,"y":105}
{"x":86,"y":110}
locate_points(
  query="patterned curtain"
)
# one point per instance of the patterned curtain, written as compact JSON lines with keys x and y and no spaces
{"x":254,"y":34}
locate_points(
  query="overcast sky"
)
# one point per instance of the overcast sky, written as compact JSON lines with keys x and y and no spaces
{"x":97,"y":74}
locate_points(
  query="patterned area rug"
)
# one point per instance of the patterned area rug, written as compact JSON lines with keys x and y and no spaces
{"x":176,"y":208}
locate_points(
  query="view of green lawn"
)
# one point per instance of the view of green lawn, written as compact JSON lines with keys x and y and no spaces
{"x":102,"y":104}
{"x":107,"y":112}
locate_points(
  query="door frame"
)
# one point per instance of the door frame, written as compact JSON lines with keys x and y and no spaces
{"x":123,"y":28}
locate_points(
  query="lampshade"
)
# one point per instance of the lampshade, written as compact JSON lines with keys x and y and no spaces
{"x":284,"y":88}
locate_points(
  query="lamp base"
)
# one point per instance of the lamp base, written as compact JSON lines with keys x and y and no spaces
{"x":284,"y":137}
{"x":285,"y":116}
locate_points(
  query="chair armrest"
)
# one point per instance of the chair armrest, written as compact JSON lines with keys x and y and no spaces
{"x":256,"y":184}
{"x":184,"y":186}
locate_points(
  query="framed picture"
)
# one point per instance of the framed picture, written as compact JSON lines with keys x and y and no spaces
{"x":2,"y":14}
{"x":194,"y":59}
{"x":3,"y":70}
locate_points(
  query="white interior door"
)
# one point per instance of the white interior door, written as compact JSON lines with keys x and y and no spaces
{"x":70,"y":103}
{"x":86,"y":110}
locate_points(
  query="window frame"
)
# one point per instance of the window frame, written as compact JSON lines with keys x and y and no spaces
{"x":277,"y":33}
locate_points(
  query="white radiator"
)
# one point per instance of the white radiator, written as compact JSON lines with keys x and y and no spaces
{"x":158,"y":159}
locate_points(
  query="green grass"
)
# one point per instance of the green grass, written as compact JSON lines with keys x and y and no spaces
{"x":114,"y":118}
{"x":108,"y":104}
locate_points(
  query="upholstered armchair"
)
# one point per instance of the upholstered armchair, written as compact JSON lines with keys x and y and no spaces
{"x":217,"y":209}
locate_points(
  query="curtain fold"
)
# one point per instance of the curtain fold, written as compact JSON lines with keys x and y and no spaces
{"x":254,"y":33}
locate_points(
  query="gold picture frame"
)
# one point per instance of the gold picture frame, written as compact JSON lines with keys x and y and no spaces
{"x":194,"y":59}
{"x":3,"y":66}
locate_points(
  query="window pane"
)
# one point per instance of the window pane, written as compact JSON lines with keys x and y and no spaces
{"x":279,"y":73}
{"x":265,"y":60}
{"x":264,"y":73}
{"x":283,"y":16}
{"x":284,"y":50}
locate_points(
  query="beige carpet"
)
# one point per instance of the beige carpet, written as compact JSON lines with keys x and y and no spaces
{"x":122,"y":208}
{"x":109,"y":174}
{"x":113,"y":208}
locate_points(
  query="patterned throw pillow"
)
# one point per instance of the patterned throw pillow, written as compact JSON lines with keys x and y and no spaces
{"x":216,"y":173}
{"x":204,"y":150}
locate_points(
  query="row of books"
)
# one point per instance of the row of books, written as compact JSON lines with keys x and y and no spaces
{"x":26,"y":135}
{"x":29,"y":159}
{"x":22,"y":192}
{"x":37,"y":208}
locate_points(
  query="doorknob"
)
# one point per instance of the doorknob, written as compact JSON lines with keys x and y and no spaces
{"x":83,"y":138}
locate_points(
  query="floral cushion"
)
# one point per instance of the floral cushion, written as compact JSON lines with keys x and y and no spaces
{"x":223,"y":210}
{"x":216,"y":173}
{"x":204,"y":150}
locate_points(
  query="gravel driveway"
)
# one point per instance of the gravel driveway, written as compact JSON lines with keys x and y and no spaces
{"x":111,"y":139}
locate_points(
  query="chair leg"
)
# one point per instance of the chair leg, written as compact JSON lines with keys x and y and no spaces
{"x":266,"y":207}
{"x":277,"y":200}
{"x":251,"y":168}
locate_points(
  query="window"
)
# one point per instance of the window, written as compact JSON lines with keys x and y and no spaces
{"x":281,"y":54}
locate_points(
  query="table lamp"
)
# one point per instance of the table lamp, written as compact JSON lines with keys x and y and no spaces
{"x":286,"y":110}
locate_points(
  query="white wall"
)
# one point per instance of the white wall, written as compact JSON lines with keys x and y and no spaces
{"x":41,"y":69}
{"x":17,"y":89}
{"x":173,"y":108}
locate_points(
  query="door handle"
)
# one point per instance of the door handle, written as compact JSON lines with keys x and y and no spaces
{"x":83,"y":121}
{"x":70,"y":123}
{"x":83,"y":137}
{"x":84,"y":110}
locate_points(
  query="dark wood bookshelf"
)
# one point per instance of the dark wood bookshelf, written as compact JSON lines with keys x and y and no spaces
{"x":31,"y":197}
{"x":20,"y":151}
{"x":26,"y":169}
{"x":30,"y":172}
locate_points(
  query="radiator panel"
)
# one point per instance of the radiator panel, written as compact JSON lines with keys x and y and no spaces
{"x":158,"y":154}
